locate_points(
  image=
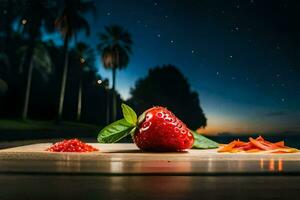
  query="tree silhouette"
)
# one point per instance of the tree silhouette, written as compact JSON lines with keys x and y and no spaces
{"x":41,"y":61}
{"x":86,"y":59}
{"x":115,"y":49}
{"x":3,"y":87}
{"x":166,"y":86}
{"x":35,"y":14}
{"x":69,"y":22}
{"x":9,"y":11}
{"x":5,"y":63}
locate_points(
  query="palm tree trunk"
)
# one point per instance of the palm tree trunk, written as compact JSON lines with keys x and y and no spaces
{"x":114,"y":101}
{"x":28,"y":62}
{"x":27,"y":93}
{"x":21,"y":66}
{"x":64,"y":78}
{"x":79,"y":103}
{"x":107,"y":107}
{"x":8,"y":31}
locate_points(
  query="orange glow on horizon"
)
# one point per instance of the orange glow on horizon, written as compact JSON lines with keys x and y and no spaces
{"x":229,"y":127}
{"x":223,"y":129}
{"x":221,"y":125}
{"x":208,"y":130}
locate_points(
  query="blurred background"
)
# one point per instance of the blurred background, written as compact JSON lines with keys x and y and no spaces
{"x":227,"y":68}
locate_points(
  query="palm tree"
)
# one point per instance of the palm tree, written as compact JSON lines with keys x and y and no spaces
{"x":70,"y":21}
{"x":105,"y":84}
{"x":9,"y":11}
{"x":41,"y":61}
{"x":35,"y":14}
{"x":3,"y":87}
{"x":86,"y":61}
{"x":115,"y":49}
{"x":5,"y":62}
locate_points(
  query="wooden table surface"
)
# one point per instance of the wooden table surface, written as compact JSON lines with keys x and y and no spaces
{"x":127,"y":159}
{"x":122,"y":171}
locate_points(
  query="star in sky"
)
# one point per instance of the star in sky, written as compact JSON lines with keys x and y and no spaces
{"x":259,"y":60}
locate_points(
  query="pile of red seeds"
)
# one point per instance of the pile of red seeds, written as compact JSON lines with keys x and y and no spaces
{"x":72,"y":145}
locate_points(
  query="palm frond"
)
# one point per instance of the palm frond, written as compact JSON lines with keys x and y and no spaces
{"x":41,"y":58}
{"x":115,"y":46}
{"x":128,"y":48}
{"x":100,"y":47}
{"x":103,"y":37}
{"x":84,"y":51}
{"x":82,"y":24}
{"x":88,"y":6}
{"x":71,"y":19}
{"x":5,"y":59}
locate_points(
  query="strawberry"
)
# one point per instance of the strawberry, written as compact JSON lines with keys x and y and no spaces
{"x":161,"y":130}
{"x":157,"y":129}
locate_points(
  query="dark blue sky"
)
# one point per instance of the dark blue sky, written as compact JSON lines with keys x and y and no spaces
{"x":241,"y":56}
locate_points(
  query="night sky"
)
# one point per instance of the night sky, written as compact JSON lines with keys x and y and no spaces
{"x":241,"y":56}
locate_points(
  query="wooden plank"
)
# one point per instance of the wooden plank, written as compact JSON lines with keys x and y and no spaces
{"x":132,"y":153}
{"x":127,"y":159}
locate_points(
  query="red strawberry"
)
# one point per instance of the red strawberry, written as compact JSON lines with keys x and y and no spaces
{"x":157,"y":129}
{"x":161,"y":130}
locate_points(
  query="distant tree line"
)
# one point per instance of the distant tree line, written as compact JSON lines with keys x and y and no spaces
{"x":46,"y":81}
{"x":40,"y":80}
{"x":166,"y":86}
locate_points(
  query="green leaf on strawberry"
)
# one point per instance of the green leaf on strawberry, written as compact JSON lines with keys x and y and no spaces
{"x":115,"y":131}
{"x":202,"y":142}
{"x":129,"y":114}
